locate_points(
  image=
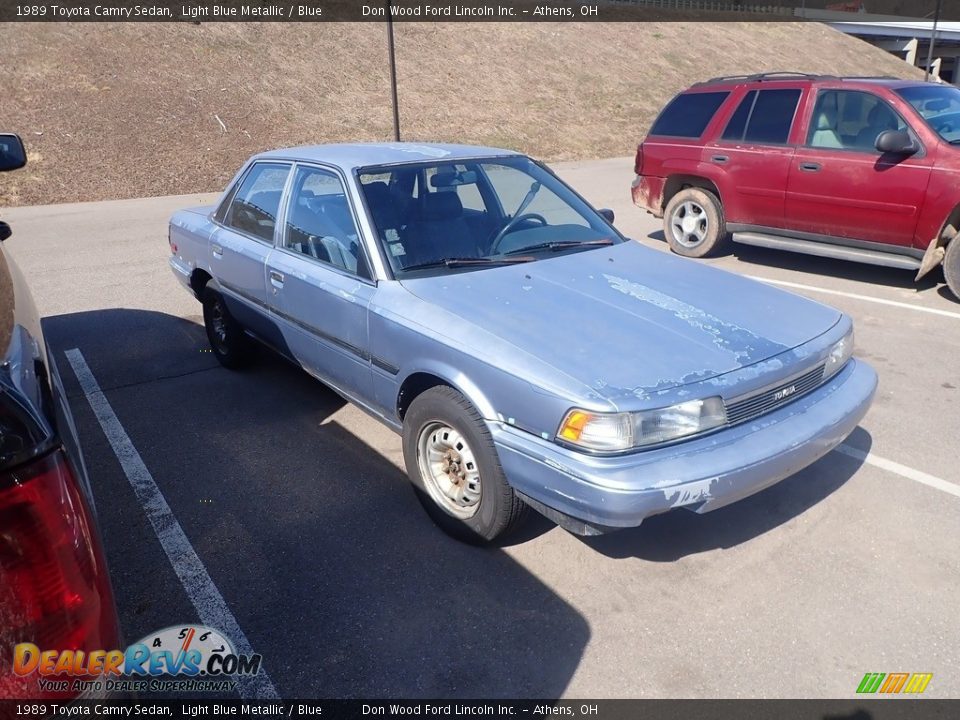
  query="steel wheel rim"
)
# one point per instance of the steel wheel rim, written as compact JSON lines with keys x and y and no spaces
{"x":218,"y":324}
{"x":689,"y":224}
{"x":449,"y":470}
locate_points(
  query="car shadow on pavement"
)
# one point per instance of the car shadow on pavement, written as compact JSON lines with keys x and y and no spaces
{"x":945,"y":292}
{"x":840,"y":269}
{"x":858,"y":714}
{"x":306,"y":524}
{"x":678,"y":533}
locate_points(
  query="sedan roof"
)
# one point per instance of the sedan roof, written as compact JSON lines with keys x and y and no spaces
{"x":358,"y":155}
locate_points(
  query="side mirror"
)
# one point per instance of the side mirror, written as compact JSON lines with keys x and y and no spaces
{"x":12,"y":154}
{"x":5,"y":231}
{"x":607,"y":214}
{"x":896,"y":142}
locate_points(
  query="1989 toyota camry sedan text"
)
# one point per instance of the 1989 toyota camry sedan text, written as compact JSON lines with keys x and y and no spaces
{"x":529,"y":354}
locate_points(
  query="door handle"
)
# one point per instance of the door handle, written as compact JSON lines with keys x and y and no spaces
{"x":719,"y":159}
{"x":810,"y":166}
{"x":217,"y":250}
{"x":276,"y":279}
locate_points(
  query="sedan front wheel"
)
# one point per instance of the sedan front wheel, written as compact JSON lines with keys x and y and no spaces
{"x":454,"y":468}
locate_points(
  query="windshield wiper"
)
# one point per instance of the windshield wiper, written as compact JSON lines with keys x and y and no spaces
{"x":467,"y":262}
{"x":562,"y":245}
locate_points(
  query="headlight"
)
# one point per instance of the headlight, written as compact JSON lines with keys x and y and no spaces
{"x":605,"y":432}
{"x":612,"y":432}
{"x":839,"y":354}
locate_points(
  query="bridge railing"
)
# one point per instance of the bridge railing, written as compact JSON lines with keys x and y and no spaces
{"x":715,"y":6}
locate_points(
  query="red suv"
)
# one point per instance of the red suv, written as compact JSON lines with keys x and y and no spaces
{"x":864,"y":169}
{"x":55,"y":591}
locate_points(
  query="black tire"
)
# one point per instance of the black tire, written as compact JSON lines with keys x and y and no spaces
{"x":499,"y":509}
{"x":693,"y":223}
{"x":232,"y":347}
{"x":951,"y":266}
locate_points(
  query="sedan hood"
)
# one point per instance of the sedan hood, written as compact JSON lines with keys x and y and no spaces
{"x":627,"y":318}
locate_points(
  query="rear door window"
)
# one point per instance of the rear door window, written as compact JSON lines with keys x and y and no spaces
{"x":688,"y":114}
{"x":254,"y":207}
{"x":764,"y":117}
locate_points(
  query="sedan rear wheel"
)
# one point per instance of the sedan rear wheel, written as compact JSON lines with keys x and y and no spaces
{"x":453,"y":465}
{"x":693,"y":223}
{"x":232,"y":347}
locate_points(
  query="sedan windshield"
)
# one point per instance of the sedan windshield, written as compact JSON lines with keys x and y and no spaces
{"x":939,"y":106}
{"x":463,"y":215}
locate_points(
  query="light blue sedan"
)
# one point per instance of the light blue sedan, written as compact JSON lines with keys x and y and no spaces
{"x":529,"y":354}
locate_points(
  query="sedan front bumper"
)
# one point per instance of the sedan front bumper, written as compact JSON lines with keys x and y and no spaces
{"x":703,"y":474}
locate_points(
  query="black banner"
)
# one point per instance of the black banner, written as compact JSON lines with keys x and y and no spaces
{"x":854,"y":709}
{"x":462,"y":10}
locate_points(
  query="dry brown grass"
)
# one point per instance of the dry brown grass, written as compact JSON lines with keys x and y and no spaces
{"x":126,"y":110}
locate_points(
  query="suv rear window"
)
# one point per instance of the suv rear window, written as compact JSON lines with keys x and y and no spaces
{"x":763,"y":117}
{"x":688,"y":114}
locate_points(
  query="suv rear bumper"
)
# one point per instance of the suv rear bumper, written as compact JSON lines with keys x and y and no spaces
{"x":647,"y":192}
{"x":703,"y":474}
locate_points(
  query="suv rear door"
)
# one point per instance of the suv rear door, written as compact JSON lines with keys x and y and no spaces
{"x":755,"y":149}
{"x":841,"y":186}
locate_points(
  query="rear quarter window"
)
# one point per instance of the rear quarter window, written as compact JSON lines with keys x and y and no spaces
{"x":688,"y":114}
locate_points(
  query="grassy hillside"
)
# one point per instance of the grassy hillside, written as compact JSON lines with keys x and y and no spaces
{"x":125,"y":110}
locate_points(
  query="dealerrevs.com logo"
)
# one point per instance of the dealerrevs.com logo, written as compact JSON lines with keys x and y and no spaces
{"x":894,"y":683}
{"x":178,"y":658}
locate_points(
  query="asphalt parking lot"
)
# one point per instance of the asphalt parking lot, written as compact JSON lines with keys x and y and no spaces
{"x":297,"y":507}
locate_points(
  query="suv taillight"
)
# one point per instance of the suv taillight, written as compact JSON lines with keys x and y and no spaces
{"x":54,"y":587}
{"x":638,"y":162}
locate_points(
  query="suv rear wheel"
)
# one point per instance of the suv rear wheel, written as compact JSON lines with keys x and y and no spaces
{"x":693,"y":223}
{"x":951,"y":266}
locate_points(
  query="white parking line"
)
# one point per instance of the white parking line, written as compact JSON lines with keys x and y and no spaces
{"x":901,"y":470}
{"x":857,"y":296}
{"x":209,"y":603}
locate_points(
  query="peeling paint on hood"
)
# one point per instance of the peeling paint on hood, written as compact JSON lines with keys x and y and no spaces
{"x":626,"y":319}
{"x":728,"y":337}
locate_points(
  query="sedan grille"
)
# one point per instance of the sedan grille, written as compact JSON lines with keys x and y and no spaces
{"x":772,"y":398}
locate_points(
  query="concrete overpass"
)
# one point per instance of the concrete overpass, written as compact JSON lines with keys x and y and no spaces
{"x":905,"y":37}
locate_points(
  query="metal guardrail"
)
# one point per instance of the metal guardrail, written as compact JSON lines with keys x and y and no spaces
{"x":715,"y":6}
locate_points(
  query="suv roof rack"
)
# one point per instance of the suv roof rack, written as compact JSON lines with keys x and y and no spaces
{"x":787,"y":75}
{"x":760,"y":77}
